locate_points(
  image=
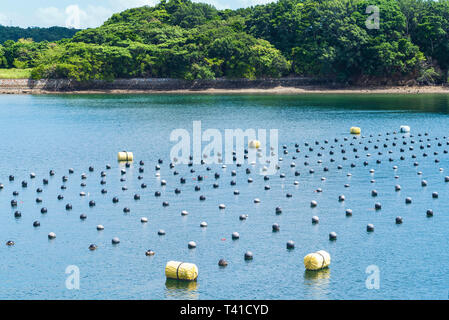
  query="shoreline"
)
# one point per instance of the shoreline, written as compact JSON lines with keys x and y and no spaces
{"x":271,"y":91}
{"x":283,"y":86}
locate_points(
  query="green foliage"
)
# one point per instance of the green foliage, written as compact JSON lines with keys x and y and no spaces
{"x":188,"y":40}
{"x":178,"y":39}
{"x":428,"y":76}
{"x":3,"y":62}
{"x":23,"y":54}
{"x":37,"y":34}
{"x":82,"y":61}
{"x":280,"y":23}
{"x":429,"y":29}
{"x":329,"y":38}
{"x":183,"y":13}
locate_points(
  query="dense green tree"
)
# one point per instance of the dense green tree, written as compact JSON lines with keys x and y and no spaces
{"x":35,"y":33}
{"x":389,"y":52}
{"x":280,"y":23}
{"x":3,"y":62}
{"x":24,"y":53}
{"x":431,"y":33}
{"x":183,"y":39}
{"x":330,"y":37}
{"x":156,"y":42}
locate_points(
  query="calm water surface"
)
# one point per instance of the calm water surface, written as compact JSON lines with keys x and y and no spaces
{"x":40,"y":133}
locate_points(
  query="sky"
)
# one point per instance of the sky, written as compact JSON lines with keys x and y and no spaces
{"x":83,"y":13}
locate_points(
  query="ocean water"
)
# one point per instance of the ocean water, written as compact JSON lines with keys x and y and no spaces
{"x":58,"y":132}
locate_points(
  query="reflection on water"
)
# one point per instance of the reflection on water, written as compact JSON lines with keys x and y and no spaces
{"x":316,"y":283}
{"x":435,"y":103}
{"x":180,"y":289}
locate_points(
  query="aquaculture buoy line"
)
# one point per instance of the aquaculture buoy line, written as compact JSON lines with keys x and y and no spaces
{"x":316,"y":160}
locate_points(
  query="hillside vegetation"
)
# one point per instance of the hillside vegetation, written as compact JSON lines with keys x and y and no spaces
{"x":321,"y":39}
{"x":35,"y":33}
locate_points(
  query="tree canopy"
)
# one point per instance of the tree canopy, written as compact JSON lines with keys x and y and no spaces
{"x":182,"y":39}
{"x":35,"y":33}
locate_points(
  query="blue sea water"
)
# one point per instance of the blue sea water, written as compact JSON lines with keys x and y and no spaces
{"x":58,"y":132}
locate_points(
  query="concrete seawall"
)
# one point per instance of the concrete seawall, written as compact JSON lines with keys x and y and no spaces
{"x":218,"y":86}
{"x":154,"y":84}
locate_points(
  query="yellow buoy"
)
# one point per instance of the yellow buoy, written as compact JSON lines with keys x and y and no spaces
{"x":317,"y":260}
{"x":254,"y":144}
{"x":125,"y":156}
{"x":181,"y":270}
{"x":355,"y":130}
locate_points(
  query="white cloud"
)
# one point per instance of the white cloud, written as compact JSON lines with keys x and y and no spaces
{"x":216,"y":3}
{"x":50,"y":16}
{"x":126,"y":4}
{"x":249,"y":3}
{"x":73,"y":16}
{"x":3,"y":19}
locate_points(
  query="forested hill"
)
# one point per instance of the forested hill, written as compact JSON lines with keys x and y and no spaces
{"x":35,"y":33}
{"x":322,"y":39}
